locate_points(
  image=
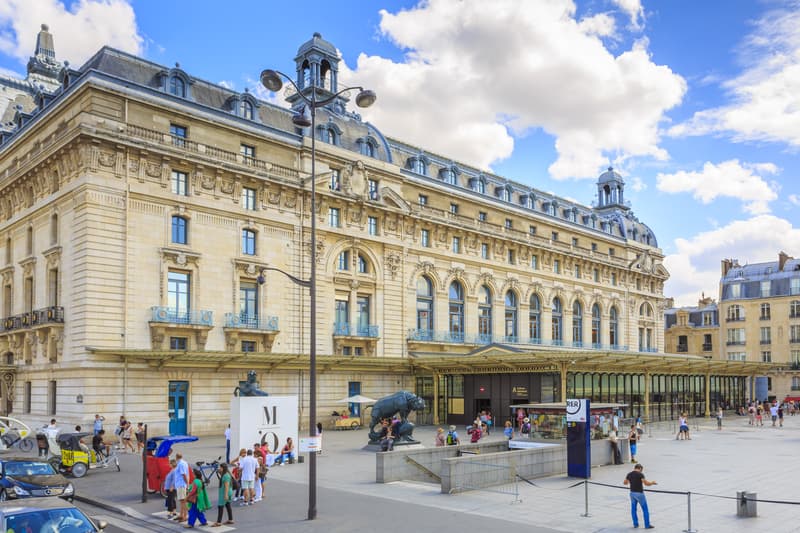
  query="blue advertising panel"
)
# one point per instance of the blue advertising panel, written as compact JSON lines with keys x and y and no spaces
{"x":579,"y":459}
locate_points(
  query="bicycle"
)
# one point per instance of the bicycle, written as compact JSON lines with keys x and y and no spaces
{"x":208,"y":469}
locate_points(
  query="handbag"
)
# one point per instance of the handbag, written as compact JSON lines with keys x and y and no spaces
{"x":192,"y":496}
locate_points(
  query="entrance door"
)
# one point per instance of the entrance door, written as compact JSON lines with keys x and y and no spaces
{"x":178,"y":402}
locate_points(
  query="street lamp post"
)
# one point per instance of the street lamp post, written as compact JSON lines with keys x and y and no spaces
{"x":272,"y":81}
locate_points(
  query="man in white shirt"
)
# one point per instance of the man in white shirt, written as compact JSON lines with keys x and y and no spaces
{"x":248,"y":464}
{"x":181,"y":483}
{"x":228,"y":444}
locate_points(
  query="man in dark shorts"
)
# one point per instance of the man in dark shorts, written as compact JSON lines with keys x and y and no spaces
{"x":99,"y":445}
{"x":637,"y":482}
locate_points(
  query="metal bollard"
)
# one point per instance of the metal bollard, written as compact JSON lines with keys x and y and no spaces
{"x":586,"y":499}
{"x":689,"y":511}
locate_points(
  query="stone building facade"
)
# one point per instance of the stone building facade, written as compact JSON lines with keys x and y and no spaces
{"x":140,"y":206}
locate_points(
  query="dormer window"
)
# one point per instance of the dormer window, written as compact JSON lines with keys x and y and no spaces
{"x":550,"y":208}
{"x":246,"y":110}
{"x":329,"y":133}
{"x":177,"y":87}
{"x":367,"y":146}
{"x":418,"y":164}
{"x":449,"y":175}
{"x":527,"y":200}
{"x":176,"y":82}
{"x":479,"y":185}
{"x":571,"y":215}
{"x":504,"y":193}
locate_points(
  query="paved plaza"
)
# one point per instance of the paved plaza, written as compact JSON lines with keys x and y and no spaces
{"x":713,"y":464}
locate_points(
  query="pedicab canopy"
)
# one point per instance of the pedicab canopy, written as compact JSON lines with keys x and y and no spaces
{"x":71,"y":441}
{"x":161,"y":446}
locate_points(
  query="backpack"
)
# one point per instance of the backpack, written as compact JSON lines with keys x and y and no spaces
{"x":450,"y":438}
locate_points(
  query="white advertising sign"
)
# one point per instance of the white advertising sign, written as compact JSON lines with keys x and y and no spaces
{"x":576,"y":411}
{"x":268,"y":419}
{"x":310,"y":444}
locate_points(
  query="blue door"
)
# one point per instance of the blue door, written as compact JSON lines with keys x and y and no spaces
{"x":354,"y":388}
{"x":178,"y":407}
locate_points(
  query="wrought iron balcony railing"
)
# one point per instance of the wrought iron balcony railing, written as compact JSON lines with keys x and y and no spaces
{"x":48,"y":315}
{"x":245,"y":321}
{"x":193,"y":317}
{"x":343,"y":329}
{"x":682,"y":348}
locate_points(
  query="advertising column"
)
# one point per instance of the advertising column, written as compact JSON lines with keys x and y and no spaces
{"x":579,"y":460}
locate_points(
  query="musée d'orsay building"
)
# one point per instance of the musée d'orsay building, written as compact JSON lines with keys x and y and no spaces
{"x":139,"y":205}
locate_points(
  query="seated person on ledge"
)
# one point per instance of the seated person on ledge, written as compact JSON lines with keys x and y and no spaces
{"x":287,"y":453}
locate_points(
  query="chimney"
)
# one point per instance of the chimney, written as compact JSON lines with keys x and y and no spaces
{"x":726,"y":266}
{"x":782,"y":258}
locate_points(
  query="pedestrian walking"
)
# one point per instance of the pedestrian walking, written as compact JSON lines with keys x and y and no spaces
{"x":169,"y":490}
{"x":439,"y":439}
{"x":225,"y":495}
{"x":780,"y":416}
{"x":474,"y":433}
{"x":508,"y":431}
{"x":98,"y":423}
{"x":773,"y":413}
{"x":198,"y":500}
{"x":181,"y":486}
{"x":633,"y":440}
{"x":636,"y":481}
{"x":719,"y":418}
{"x":228,"y":444}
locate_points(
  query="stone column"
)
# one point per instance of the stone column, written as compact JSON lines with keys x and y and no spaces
{"x":647,"y":396}
{"x":435,"y":398}
{"x":708,"y":394}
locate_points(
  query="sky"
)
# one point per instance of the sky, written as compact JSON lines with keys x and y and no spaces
{"x":696,"y":104}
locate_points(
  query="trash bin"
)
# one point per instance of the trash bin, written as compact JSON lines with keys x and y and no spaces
{"x":746,"y":504}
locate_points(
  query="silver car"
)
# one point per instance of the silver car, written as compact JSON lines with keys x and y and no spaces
{"x":45,"y":515}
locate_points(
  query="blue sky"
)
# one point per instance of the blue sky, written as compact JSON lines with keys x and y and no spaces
{"x":697,"y":104}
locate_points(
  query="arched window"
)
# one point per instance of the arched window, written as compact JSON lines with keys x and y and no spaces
{"x":177,"y":86}
{"x":456,"y":312}
{"x":449,"y":175}
{"x":511,"y":317}
{"x":596,"y":326}
{"x":577,"y":324}
{"x":534,"y":320}
{"x":558,"y":336}
{"x":327,"y":135}
{"x":418,"y":165}
{"x":485,"y":314}
{"x":425,"y":307}
{"x":246,"y":109}
{"x":179,"y":230}
{"x":478,"y":185}
{"x":363,"y":264}
{"x":645,"y":311}
{"x":613,"y":328}
{"x":367,"y":149}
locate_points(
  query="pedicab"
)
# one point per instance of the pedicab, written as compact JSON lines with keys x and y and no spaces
{"x":15,"y":433}
{"x":76,"y":458}
{"x":158,"y":452}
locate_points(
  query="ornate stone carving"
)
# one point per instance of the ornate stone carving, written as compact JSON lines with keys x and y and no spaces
{"x":107,"y":159}
{"x":226,"y":187}
{"x":274,"y":196}
{"x":153,"y":169}
{"x":392,"y":264}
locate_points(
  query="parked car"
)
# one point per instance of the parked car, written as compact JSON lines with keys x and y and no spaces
{"x":26,"y":478}
{"x":46,"y":515}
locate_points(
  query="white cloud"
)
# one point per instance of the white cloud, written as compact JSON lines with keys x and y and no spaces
{"x":78,"y":32}
{"x":477,"y":72}
{"x":634,"y":10}
{"x":695,"y":267}
{"x":765,"y":98}
{"x":729,"y":178}
{"x":795,"y":199}
{"x":637,"y":184}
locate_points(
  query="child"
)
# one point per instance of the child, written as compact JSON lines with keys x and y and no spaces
{"x":508,"y":431}
{"x":169,"y":489}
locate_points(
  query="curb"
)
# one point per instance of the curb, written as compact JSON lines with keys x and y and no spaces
{"x":109,"y":506}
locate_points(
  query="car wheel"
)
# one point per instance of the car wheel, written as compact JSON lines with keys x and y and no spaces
{"x":79,"y":469}
{"x":3,"y":496}
{"x":27,"y":444}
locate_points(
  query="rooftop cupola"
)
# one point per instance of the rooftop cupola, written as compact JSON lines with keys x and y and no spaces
{"x":610,"y":190}
{"x":317,"y":64}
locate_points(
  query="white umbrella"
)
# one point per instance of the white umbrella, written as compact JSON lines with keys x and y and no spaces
{"x":357,"y":399}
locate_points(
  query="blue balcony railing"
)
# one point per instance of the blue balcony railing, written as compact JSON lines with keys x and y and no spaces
{"x":343,"y":329}
{"x":195,"y":317}
{"x":245,"y":321}
{"x":426,"y":335}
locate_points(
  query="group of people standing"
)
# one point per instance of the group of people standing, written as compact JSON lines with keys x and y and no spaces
{"x":756,"y":410}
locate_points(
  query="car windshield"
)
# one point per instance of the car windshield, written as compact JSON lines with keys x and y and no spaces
{"x":49,"y":521}
{"x":28,"y":468}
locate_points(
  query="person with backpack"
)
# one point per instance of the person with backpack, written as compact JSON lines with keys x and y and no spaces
{"x":452,"y":437}
{"x":526,"y":427}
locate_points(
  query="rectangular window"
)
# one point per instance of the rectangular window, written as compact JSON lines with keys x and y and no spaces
{"x":638,"y":284}
{"x":53,"y":291}
{"x":577,"y":271}
{"x":372,"y":225}
{"x":343,"y":261}
{"x":425,"y":238}
{"x":334,"y":184}
{"x":554,"y":236}
{"x":556,"y":266}
{"x":735,"y":336}
{"x":248,"y":301}
{"x":248,"y":346}
{"x":594,"y":246}
{"x":178,"y":290}
{"x":766,"y":311}
{"x":423,"y":200}
{"x":347,"y":350}
{"x":8,"y":301}
{"x":766,"y":335}
{"x":249,"y":198}
{"x":179,"y":183}
{"x":794,"y":333}
{"x":179,"y":230}
{"x":511,"y":257}
{"x":611,"y":252}
{"x":532,"y":230}
{"x":596,"y":275}
{"x":509,"y":223}
{"x":613,"y":279}
{"x":766,"y":357}
{"x":248,"y":242}
{"x":52,"y":391}
{"x":737,"y":356}
{"x":27,"y":294}
{"x":708,"y":319}
{"x":795,"y":357}
{"x":456,"y":245}
{"x":575,"y":242}
{"x":736,"y":290}
{"x":534,"y":262}
{"x":177,"y":343}
{"x":248,"y":154}
{"x":454,"y":209}
{"x":333,"y":217}
{"x":178,"y":134}
{"x":26,"y":400}
{"x":482,"y":216}
{"x":484,"y":251}
{"x":794,"y":286}
{"x":358,"y":351}
{"x":765,"y":287}
{"x":372,"y":187}
{"x":707,"y":344}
